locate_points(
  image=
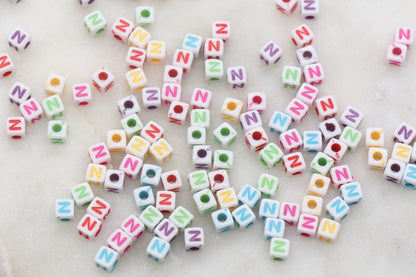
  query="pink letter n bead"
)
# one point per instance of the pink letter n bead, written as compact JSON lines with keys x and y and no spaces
{"x":270,"y":53}
{"x":396,"y":53}
{"x":340,"y":175}
{"x":289,"y":212}
{"x":194,"y":238}
{"x":133,"y":227}
{"x":31,"y":110}
{"x":106,"y":258}
{"x":119,"y":241}
{"x":19,"y":39}
{"x":307,"y":225}
{"x":6,"y":65}
{"x":89,"y":226}
{"x":279,"y":249}
{"x":16,"y":127}
{"x":64,"y":209}
{"x":404,"y":35}
{"x":313,"y":74}
{"x":82,"y":94}
{"x":99,"y":154}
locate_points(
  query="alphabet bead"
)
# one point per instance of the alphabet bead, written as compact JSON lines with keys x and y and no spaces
{"x":401,"y":152}
{"x":143,"y":196}
{"x":330,"y":129}
{"x":171,"y":180}
{"x":95,"y":23}
{"x":256,"y":139}
{"x":243,"y":216}
{"x":135,"y":57}
{"x":350,"y":137}
{"x":99,"y":208}
{"x":318,"y":185}
{"x":200,"y":118}
{"x":150,"y":217}
{"x":161,"y":151}
{"x":166,"y":230}
{"x":192,"y":43}
{"x":6,"y":65}
{"x":249,"y":195}
{"x":377,"y":158}
{"x":132,"y":125}
{"x":202,"y":156}
{"x":307,"y":225}
{"x":351,"y":117}
{"x":312,"y":205}
{"x":297,"y":110}
{"x":289,"y":212}
{"x":95,"y":174}
{"x":222,"y":220}
{"x":294,"y":163}
{"x":218,"y":180}
{"x":291,"y":76}
{"x":57,"y":131}
{"x":89,"y":226}
{"x":183,"y":59}
{"x":82,"y":194}
{"x":336,"y":149}
{"x":374,"y":137}
{"x":171,"y":92}
{"x":351,"y":193}
{"x":103,"y":80}
{"x":273,"y":228}
{"x":213,"y":48}
{"x":221,"y":30}
{"x":268,"y":185}
{"x":198,"y":180}
{"x":270,"y":53}
{"x":156,"y":51}
{"x":158,"y":249}
{"x":131,"y":166}
{"x":256,"y":101}
{"x":151,"y":98}
{"x":16,"y":127}
{"x":302,"y":36}
{"x":172,"y":74}
{"x":286,"y":7}
{"x":306,"y":55}
{"x":82,"y":94}
{"x":165,"y":201}
{"x":152,"y":132}
{"x":53,"y":106}
{"x":205,"y":201}
{"x":224,"y":134}
{"x":396,"y":53}
{"x":139,"y":38}
{"x":291,"y":141}
{"x":404,"y":133}
{"x":279,"y":247}
{"x":201,"y":98}
{"x":409,"y":176}
{"x":133,"y":227}
{"x":337,"y":209}
{"x":279,"y":122}
{"x":122,"y":29}
{"x":194,"y":238}
{"x":269,"y":208}
{"x":178,"y":112}
{"x":270,"y":155}
{"x":136,"y":79}
{"x":119,"y":241}
{"x":116,"y":141}
{"x":328,"y":230}
{"x":326,"y":107}
{"x":114,"y":180}
{"x":321,"y":164}
{"x":214,"y":70}
{"x":404,"y":35}
{"x":19,"y":39}
{"x":145,"y":16}
{"x":31,"y":110}
{"x":19,"y":93}
{"x":340,"y":175}
{"x":309,"y":9}
{"x":312,"y":141}
{"x":182,"y":218}
{"x":106,"y":258}
{"x":138,"y":147}
{"x":249,"y":120}
{"x":313,"y":74}
{"x":128,"y":105}
{"x":150,"y":175}
{"x":236,"y":76}
{"x":231,"y":109}
{"x":223,"y":159}
{"x":307,"y":94}
{"x":196,"y":135}
{"x":394,"y":171}
{"x":64,"y":209}
{"x":227,"y":198}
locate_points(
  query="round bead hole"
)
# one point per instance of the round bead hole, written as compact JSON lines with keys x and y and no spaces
{"x":173,"y":73}
{"x":257,"y":135}
{"x":102,"y":76}
{"x":335,"y":147}
{"x":145,"y":13}
{"x":397,"y":51}
{"x":178,"y":109}
{"x":131,"y":123}
{"x":322,"y":161}
{"x":312,"y":204}
{"x":395,"y":167}
{"x":225,"y":131}
{"x":128,"y":104}
{"x":143,"y":195}
{"x":319,"y":183}
{"x":202,"y":153}
{"x":56,"y":128}
{"x":204,"y":198}
{"x":171,"y":179}
{"x":375,"y":135}
{"x":219,"y":178}
{"x":114,"y":177}
{"x":151,"y":173}
{"x":377,"y":156}
{"x":231,"y":106}
{"x":196,"y":134}
{"x":330,"y":127}
{"x":116,"y":138}
{"x":307,"y":55}
{"x":55,"y":82}
{"x":222,"y":217}
{"x":223,"y":158}
{"x":257,"y":99}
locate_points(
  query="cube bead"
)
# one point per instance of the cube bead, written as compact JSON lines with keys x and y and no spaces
{"x":307,"y":225}
{"x":64,"y":209}
{"x":279,"y":248}
{"x":119,"y":241}
{"x":99,"y":208}
{"x":270,"y":53}
{"x":106,"y":258}
{"x":103,"y":79}
{"x":205,"y":201}
{"x":133,"y":227}
{"x":19,"y":39}
{"x":269,"y":208}
{"x":166,"y":230}
{"x":194,"y":238}
{"x":95,"y":23}
{"x":337,"y":209}
{"x":16,"y":127}
{"x":273,"y":228}
{"x":222,"y":220}
{"x":89,"y":226}
{"x":158,"y":249}
{"x":143,"y":196}
{"x":294,"y":163}
{"x":243,"y":216}
{"x":328,"y":230}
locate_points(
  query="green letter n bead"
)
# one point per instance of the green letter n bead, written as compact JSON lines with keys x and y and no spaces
{"x":95,"y":19}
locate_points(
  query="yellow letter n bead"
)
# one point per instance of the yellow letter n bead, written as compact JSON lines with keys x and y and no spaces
{"x":138,"y":147}
{"x":161,"y":150}
{"x":136,"y":79}
{"x":328,"y":230}
{"x":95,"y":174}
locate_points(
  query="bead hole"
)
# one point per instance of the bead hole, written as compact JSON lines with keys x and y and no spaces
{"x":322,"y":161}
{"x":375,"y":135}
{"x":319,"y":183}
{"x":377,"y":156}
{"x":312,"y":204}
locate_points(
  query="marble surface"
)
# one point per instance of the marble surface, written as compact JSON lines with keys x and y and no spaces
{"x":351,"y":38}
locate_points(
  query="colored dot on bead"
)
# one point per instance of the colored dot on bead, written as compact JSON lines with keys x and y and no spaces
{"x":336,"y":147}
{"x":377,"y":156}
{"x":202,"y":153}
{"x":131,"y":122}
{"x":171,"y":179}
{"x":219,"y":178}
{"x":116,"y":138}
{"x":322,"y":161}
{"x":257,"y":99}
{"x":196,"y":134}
{"x":56,"y":128}
{"x":397,"y":51}
{"x":222,"y":217}
{"x":307,"y":55}
{"x":257,"y":135}
{"x":173,"y":73}
{"x":205,"y":198}
{"x":395,"y":167}
{"x":150,"y":173}
{"x":103,"y":76}
{"x":319,"y":183}
{"x":225,"y":131}
{"x":145,"y":13}
{"x":143,"y":195}
{"x":178,"y":109}
{"x":375,"y":135}
{"x":55,"y":82}
{"x":312,"y":204}
{"x":223,"y":158}
{"x":330,"y":127}
{"x":114,"y":177}
{"x":231,"y":106}
{"x":128,"y":104}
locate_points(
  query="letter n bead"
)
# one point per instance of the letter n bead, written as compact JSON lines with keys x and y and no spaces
{"x":313,"y":74}
{"x":99,"y":208}
{"x":328,"y":230}
{"x":352,"y":193}
{"x":294,"y":163}
{"x":409,"y":176}
{"x":158,"y":249}
{"x":171,"y":180}
{"x":404,"y":35}
{"x":309,"y":9}
{"x":205,"y":201}
{"x":139,"y":38}
{"x":16,"y":127}
{"x":192,"y":43}
{"x":249,"y":195}
{"x":396,"y":53}
{"x":133,"y":227}
{"x":151,"y":98}
{"x":6,"y":65}
{"x":236,"y":76}
{"x":351,"y":117}
{"x":95,"y":174}
{"x":297,"y":110}
{"x":256,"y":139}
{"x":214,"y":70}
{"x":243,"y":216}
{"x":270,"y":53}
{"x":82,"y":194}
{"x":183,"y":59}
{"x":337,"y":209}
{"x":19,"y":93}
{"x":121,"y":29}
{"x":145,"y":16}
{"x":279,"y":248}
{"x":231,"y":109}
{"x":307,"y":225}
{"x":291,"y":76}
{"x":106,"y":258}
{"x":82,"y":94}
{"x":196,"y":135}
{"x":289,"y":212}
{"x":223,"y":159}
{"x":194,"y":238}
{"x":166,"y":230}
{"x":312,"y":141}
{"x":165,"y":201}
{"x":19,"y":39}
{"x":224,"y":134}
{"x":136,"y":79}
{"x":135,"y":57}
{"x":404,"y":133}
{"x":64,"y":209}
{"x":256,"y":101}
{"x":181,"y":218}
{"x":213,"y":48}
{"x":227,"y":198}
{"x":151,"y":217}
{"x":273,"y":228}
{"x":161,"y":151}
{"x":340,"y":175}
{"x":268,"y":185}
{"x":198,"y":180}
{"x":31,"y":110}
{"x":270,"y":155}
{"x":221,"y":30}
{"x":156,"y":51}
{"x":89,"y":226}
{"x":302,"y":36}
{"x":131,"y":166}
{"x":306,"y":55}
{"x":119,"y":241}
{"x":202,"y":156}
{"x":326,"y":107}
{"x":114,"y":180}
{"x":178,"y":112}
{"x":321,"y":164}
{"x":95,"y":23}
{"x":269,"y":208}
{"x":394,"y":171}
{"x":143,"y":196}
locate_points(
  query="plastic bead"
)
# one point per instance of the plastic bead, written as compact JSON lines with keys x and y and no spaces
{"x":116,"y":141}
{"x":82,"y":194}
{"x":231,"y":109}
{"x":279,"y":247}
{"x":401,"y":152}
{"x":172,"y":74}
{"x":201,"y":99}
{"x":6,"y":65}
{"x":202,"y":156}
{"x":218,"y":180}
{"x":318,"y":185}
{"x":196,"y":135}
{"x":151,"y":98}
{"x":377,"y":158}
{"x":297,"y":110}
{"x":409,"y":176}
{"x":312,"y":205}
{"x":166,"y":230}
{"x":136,"y":79}
{"x":95,"y":174}
{"x":243,"y":216}
{"x":131,"y":166}
{"x":337,"y":209}
{"x":306,"y":55}
{"x":31,"y":110}
{"x":270,"y":53}
{"x":227,"y":198}
{"x":302,"y":36}
{"x":99,"y":208}
{"x":171,"y":92}
{"x":313,"y":74}
{"x":328,"y":230}
{"x":224,"y":134}
{"x":106,"y":258}
{"x":19,"y":39}
{"x":330,"y":129}
{"x":122,"y":29}
{"x":268,"y":185}
{"x":404,"y":133}
{"x":271,"y":155}
{"x":53,"y":106}
{"x":374,"y":137}
{"x":312,"y":141}
{"x":16,"y":127}
{"x":158,"y":249}
{"x":89,"y":226}
{"x":256,"y":101}
{"x":193,"y":43}
{"x":145,"y":16}
{"x":249,"y":195}
{"x":309,"y":9}
{"x":307,"y":225}
{"x":279,"y":122}
{"x":152,"y":132}
{"x":138,"y":147}
{"x":351,"y":193}
{"x":114,"y":180}
{"x":181,"y":218}
{"x":205,"y":201}
{"x":95,"y":23}
{"x":156,"y":51}
{"x":178,"y":112}
{"x":64,"y":209}
{"x":291,"y":141}
{"x":291,"y":76}
{"x":222,"y":220}
{"x":150,"y":217}
{"x":214,"y":70}
{"x":394,"y":171}
{"x":307,"y":94}
{"x":132,"y":125}
{"x":336,"y":149}
{"x":183,"y":59}
{"x":171,"y":180}
{"x":103,"y":80}
{"x":194,"y":238}
{"x":200,"y":118}
{"x":150,"y":175}
{"x":213,"y":48}
{"x":350,"y":137}
{"x":340,"y":175}
{"x":82,"y":94}
{"x":273,"y":228}
{"x":133,"y":227}
{"x":223,"y":159}
{"x":165,"y":201}
{"x":404,"y":35}
{"x":236,"y":76}
{"x":135,"y":57}
{"x":289,"y":212}
{"x":143,"y":196}
{"x":326,"y":107}
{"x":198,"y":180}
{"x":19,"y":93}
{"x":119,"y":241}
{"x":286,"y":6}
{"x":351,"y":117}
{"x":269,"y":208}
{"x":128,"y":105}
{"x":221,"y":30}
{"x":294,"y":163}
{"x":396,"y":53}
{"x":139,"y":38}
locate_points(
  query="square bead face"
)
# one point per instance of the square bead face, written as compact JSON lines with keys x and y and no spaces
{"x":151,"y":217}
{"x":89,"y":226}
{"x":166,"y":230}
{"x":165,"y":201}
{"x":19,"y":93}
{"x":16,"y":127}
{"x":337,"y":209}
{"x":256,"y":101}
{"x":95,"y":23}
{"x":256,"y":139}
{"x":289,"y":212}
{"x":103,"y":80}
{"x":351,"y":137}
{"x":145,"y":16}
{"x":138,"y":147}
{"x":198,"y":180}
{"x":64,"y":209}
{"x":172,"y":74}
{"x":273,"y":228}
{"x":267,"y":184}
{"x":243,"y":216}
{"x":306,"y":55}
{"x":291,"y":76}
{"x":291,"y":141}
{"x":178,"y":112}
{"x":227,"y":198}
{"x":394,"y":171}
{"x":201,"y":98}
{"x":297,"y":110}
{"x":135,"y":57}
{"x":294,"y":163}
{"x":183,"y":59}
{"x":99,"y":208}
{"x":250,"y":120}
{"x":222,"y":220}
{"x":404,"y":133}
{"x":312,"y":141}
{"x":225,"y":134}
{"x":351,"y":117}
{"x":128,"y":106}
{"x":171,"y":180}
{"x":116,"y":140}
{"x":194,"y":238}
{"x":351,"y":193}
{"x":236,"y":76}
{"x":202,"y":156}
{"x":374,"y":137}
{"x":307,"y":225}
{"x":279,"y":248}
{"x":205,"y":201}
{"x":53,"y":106}
{"x":340,"y":175}
{"x":193,"y":43}
{"x":151,"y":98}
{"x":132,"y":125}
{"x":158,"y":249}
{"x":270,"y":53}
{"x":231,"y":109}
{"x":377,"y":158}
{"x":330,"y":129}
{"x":249,"y":195}
{"x":119,"y":241}
{"x":218,"y":180}
{"x":150,"y":175}
{"x":269,"y":208}
{"x":312,"y":205}
{"x":214,"y":70}
{"x":321,"y":164}
{"x":409,"y":176}
{"x":181,"y":217}
{"x":106,"y":258}
{"x":82,"y":194}
{"x":121,"y":29}
{"x":139,"y":38}
{"x":19,"y":39}
{"x":143,"y":196}
{"x":133,"y":227}
{"x":223,"y":159}
{"x":328,"y":230}
{"x":318,"y":185}
{"x":82,"y":94}
{"x":336,"y":149}
{"x":271,"y":155}
{"x":114,"y":180}
{"x":156,"y":51}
